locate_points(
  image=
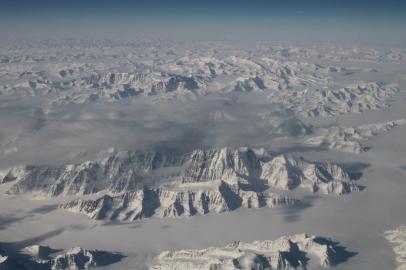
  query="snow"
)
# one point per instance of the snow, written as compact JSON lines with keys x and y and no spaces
{"x":209,"y":144}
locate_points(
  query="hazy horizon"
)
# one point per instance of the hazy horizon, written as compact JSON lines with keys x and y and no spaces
{"x":355,"y":22}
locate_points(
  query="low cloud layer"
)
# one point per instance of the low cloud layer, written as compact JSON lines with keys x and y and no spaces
{"x":30,"y":136}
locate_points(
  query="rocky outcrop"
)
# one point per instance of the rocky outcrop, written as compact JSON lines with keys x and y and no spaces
{"x":397,"y":237}
{"x":12,"y":174}
{"x":79,"y":258}
{"x":123,"y":171}
{"x":354,"y":98}
{"x":291,"y":76}
{"x":225,"y":164}
{"x":289,"y":173}
{"x":289,"y":252}
{"x":244,"y":165}
{"x":46,"y":258}
{"x":116,"y":171}
{"x":249,"y":84}
{"x":351,"y":139}
{"x":184,"y":201}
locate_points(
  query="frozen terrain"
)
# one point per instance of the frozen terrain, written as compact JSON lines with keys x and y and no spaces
{"x":159,"y":154}
{"x":397,"y":237}
{"x":290,"y":252}
{"x":351,"y":139}
{"x":45,"y":258}
{"x":133,"y":185}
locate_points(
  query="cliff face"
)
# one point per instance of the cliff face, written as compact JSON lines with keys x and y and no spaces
{"x":288,"y":252}
{"x":123,"y":171}
{"x":118,"y":171}
{"x":133,"y":185}
{"x":163,"y":203}
{"x":351,"y":139}
{"x":46,"y":258}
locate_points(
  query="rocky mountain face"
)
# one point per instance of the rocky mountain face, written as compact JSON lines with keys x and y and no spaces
{"x":122,"y":171}
{"x":79,"y":258}
{"x":118,"y":171}
{"x":289,"y":252}
{"x":126,"y":185}
{"x":184,"y":201}
{"x":182,"y":73}
{"x":46,"y":258}
{"x":351,"y":139}
{"x":354,"y":98}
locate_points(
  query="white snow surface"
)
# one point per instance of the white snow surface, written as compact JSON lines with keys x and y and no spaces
{"x":282,"y":253}
{"x":209,"y":143}
{"x":46,"y":258}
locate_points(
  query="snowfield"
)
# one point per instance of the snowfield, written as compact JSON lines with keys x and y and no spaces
{"x":297,"y":252}
{"x":158,"y":155}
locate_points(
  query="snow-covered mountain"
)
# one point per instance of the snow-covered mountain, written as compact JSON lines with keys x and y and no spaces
{"x":121,"y":171}
{"x":299,"y":251}
{"x":184,"y":201}
{"x":351,"y":139}
{"x":45,"y":258}
{"x":125,"y":185}
{"x":198,"y":130}
{"x":354,"y":98}
{"x":306,"y":88}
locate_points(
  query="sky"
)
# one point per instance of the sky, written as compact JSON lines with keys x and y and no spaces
{"x":258,"y":19}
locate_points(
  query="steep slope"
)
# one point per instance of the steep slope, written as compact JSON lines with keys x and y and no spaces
{"x":289,"y":252}
{"x":185,"y":201}
{"x":351,"y":139}
{"x":249,"y":84}
{"x":116,"y":171}
{"x":122,"y":171}
{"x":289,"y":173}
{"x":354,"y":98}
{"x":62,"y":77}
{"x":46,"y":258}
{"x":124,"y":185}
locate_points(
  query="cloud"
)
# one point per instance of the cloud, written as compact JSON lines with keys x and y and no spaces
{"x":213,"y":121}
